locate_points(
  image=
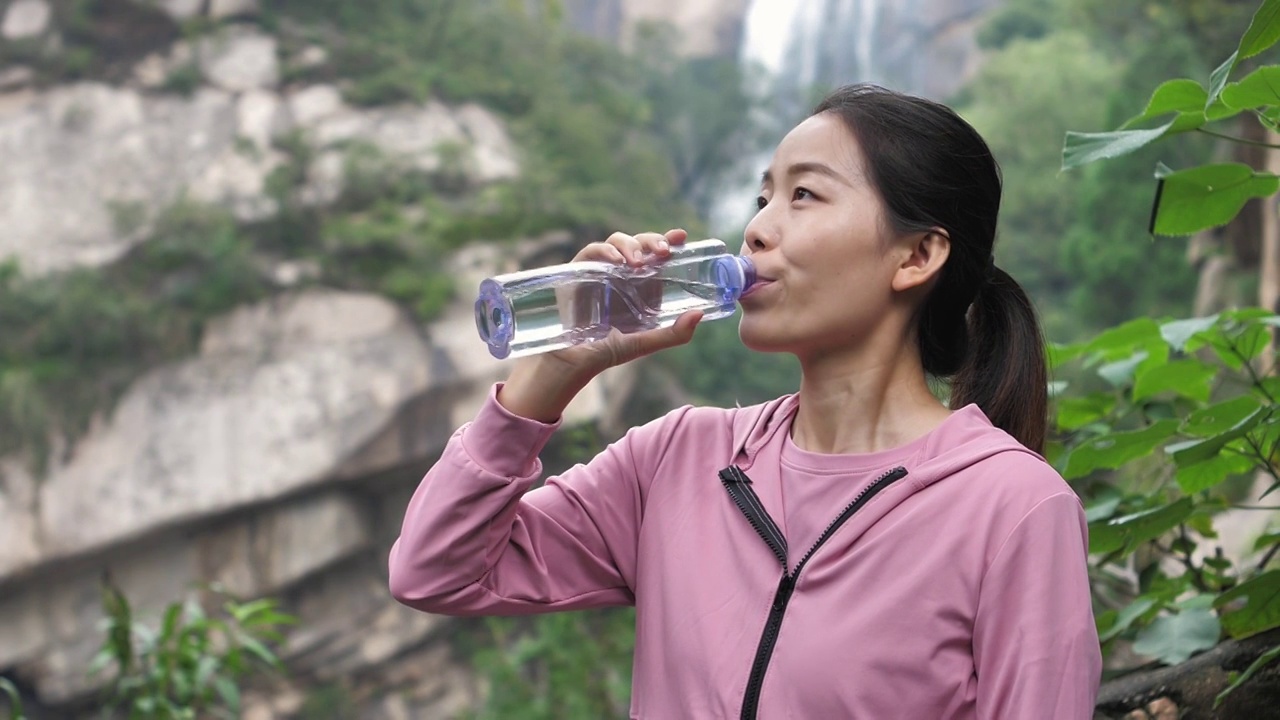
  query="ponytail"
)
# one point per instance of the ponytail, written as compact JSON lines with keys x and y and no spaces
{"x":1003,"y":371}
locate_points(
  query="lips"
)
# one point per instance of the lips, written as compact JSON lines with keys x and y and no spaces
{"x":757,"y":286}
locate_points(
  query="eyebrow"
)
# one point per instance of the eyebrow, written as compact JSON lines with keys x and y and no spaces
{"x":801,"y":168}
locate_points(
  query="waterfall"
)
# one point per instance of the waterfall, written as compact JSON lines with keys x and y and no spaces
{"x":793,"y":50}
{"x":790,"y":47}
{"x":823,"y":42}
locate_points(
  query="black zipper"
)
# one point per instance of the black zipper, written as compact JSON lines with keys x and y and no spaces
{"x":739,"y":487}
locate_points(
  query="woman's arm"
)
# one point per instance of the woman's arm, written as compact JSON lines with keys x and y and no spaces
{"x":473,"y":541}
{"x":1035,"y":644}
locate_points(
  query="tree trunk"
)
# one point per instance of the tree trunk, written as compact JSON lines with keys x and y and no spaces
{"x":1189,"y":689}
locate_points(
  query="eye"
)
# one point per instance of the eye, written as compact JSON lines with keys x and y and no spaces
{"x":802,"y":194}
{"x":761,"y":201}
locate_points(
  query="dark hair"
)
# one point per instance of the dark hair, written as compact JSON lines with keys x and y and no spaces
{"x":977,"y":326}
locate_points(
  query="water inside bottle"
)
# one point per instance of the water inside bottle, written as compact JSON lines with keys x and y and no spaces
{"x":552,"y":313}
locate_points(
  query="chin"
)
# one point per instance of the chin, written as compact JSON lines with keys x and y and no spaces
{"x":760,"y":338}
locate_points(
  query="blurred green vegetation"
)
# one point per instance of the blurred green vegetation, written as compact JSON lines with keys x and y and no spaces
{"x":1076,"y":241}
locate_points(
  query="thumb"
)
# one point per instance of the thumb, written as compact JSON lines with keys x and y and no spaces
{"x":648,"y":342}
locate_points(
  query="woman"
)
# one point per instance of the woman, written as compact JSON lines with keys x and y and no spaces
{"x":855,"y":550}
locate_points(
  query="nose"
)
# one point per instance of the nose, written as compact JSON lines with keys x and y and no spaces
{"x":760,"y":234}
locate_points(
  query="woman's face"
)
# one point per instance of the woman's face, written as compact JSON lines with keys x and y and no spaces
{"x":821,"y":245}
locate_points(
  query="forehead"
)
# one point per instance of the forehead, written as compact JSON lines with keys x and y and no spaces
{"x":821,"y":138}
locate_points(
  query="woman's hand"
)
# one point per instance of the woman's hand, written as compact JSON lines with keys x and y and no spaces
{"x":541,"y":386}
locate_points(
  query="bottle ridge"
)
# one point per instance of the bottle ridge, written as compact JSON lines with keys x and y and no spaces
{"x":550,"y":308}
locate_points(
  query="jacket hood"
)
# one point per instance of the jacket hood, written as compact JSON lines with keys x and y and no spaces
{"x":964,"y":439}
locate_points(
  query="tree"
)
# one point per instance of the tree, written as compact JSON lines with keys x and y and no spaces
{"x":1172,"y":422}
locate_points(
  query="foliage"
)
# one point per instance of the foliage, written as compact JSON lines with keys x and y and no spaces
{"x":74,"y":341}
{"x":1071,"y":238}
{"x":606,"y":136}
{"x":15,"y":700}
{"x":1185,"y":410}
{"x":191,"y":666}
{"x":1178,"y":410}
{"x":91,"y":40}
{"x":557,"y":666}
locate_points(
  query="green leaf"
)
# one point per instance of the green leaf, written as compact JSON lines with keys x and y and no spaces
{"x":1266,"y":540}
{"x":1181,"y":95}
{"x":1119,"y":373}
{"x":169,"y":627}
{"x":1260,"y":88}
{"x":1221,"y":417}
{"x":1178,"y":332}
{"x":1103,"y":506}
{"x":1126,"y":533}
{"x":1208,"y":196}
{"x":1188,"y":378}
{"x":206,"y":669}
{"x":260,"y":651}
{"x":1252,"y":606}
{"x":1197,"y":451}
{"x":1248,"y":314}
{"x":1218,"y":80}
{"x":1076,"y":412}
{"x":1121,"y":341}
{"x":1060,"y":354}
{"x":1174,"y":638}
{"x":1125,"y":618}
{"x":1084,"y":148}
{"x":229,"y":693}
{"x":1188,"y":121}
{"x":1263,"y":660}
{"x":1115,"y":449}
{"x":15,"y":699}
{"x":1263,"y":32}
{"x":1201,"y":476}
{"x":242,"y":612}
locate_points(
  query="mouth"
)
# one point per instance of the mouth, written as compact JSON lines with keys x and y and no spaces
{"x":757,"y":286}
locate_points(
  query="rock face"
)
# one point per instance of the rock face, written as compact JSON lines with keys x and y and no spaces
{"x":25,"y":18}
{"x":100,"y":153}
{"x":278,"y":461}
{"x":705,"y":27}
{"x":920,"y":46}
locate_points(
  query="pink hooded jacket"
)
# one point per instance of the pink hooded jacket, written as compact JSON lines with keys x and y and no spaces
{"x":954,"y":587}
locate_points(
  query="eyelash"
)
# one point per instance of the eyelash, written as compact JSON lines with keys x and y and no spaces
{"x":761,"y":200}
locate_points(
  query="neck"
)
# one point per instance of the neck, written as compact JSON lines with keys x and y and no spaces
{"x":856,"y":403}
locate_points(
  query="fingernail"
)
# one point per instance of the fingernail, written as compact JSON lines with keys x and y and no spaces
{"x":662,"y":245}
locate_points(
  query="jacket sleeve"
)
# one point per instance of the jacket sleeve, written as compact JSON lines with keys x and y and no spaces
{"x":474,"y":541}
{"x":1035,"y":644}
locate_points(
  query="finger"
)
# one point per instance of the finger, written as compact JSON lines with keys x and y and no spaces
{"x":645,"y":343}
{"x":654,"y":244}
{"x":628,"y":246}
{"x":676,"y":236}
{"x":601,"y":252}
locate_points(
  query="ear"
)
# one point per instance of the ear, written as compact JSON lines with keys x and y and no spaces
{"x":923,"y":256}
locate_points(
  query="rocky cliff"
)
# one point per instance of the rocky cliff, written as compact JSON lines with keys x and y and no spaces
{"x":277,"y":458}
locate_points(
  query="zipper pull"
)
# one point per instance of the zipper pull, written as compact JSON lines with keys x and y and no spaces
{"x":732,"y":474}
{"x":785,"y":587}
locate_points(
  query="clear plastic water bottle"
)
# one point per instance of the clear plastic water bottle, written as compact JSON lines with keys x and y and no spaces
{"x":550,"y":308}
